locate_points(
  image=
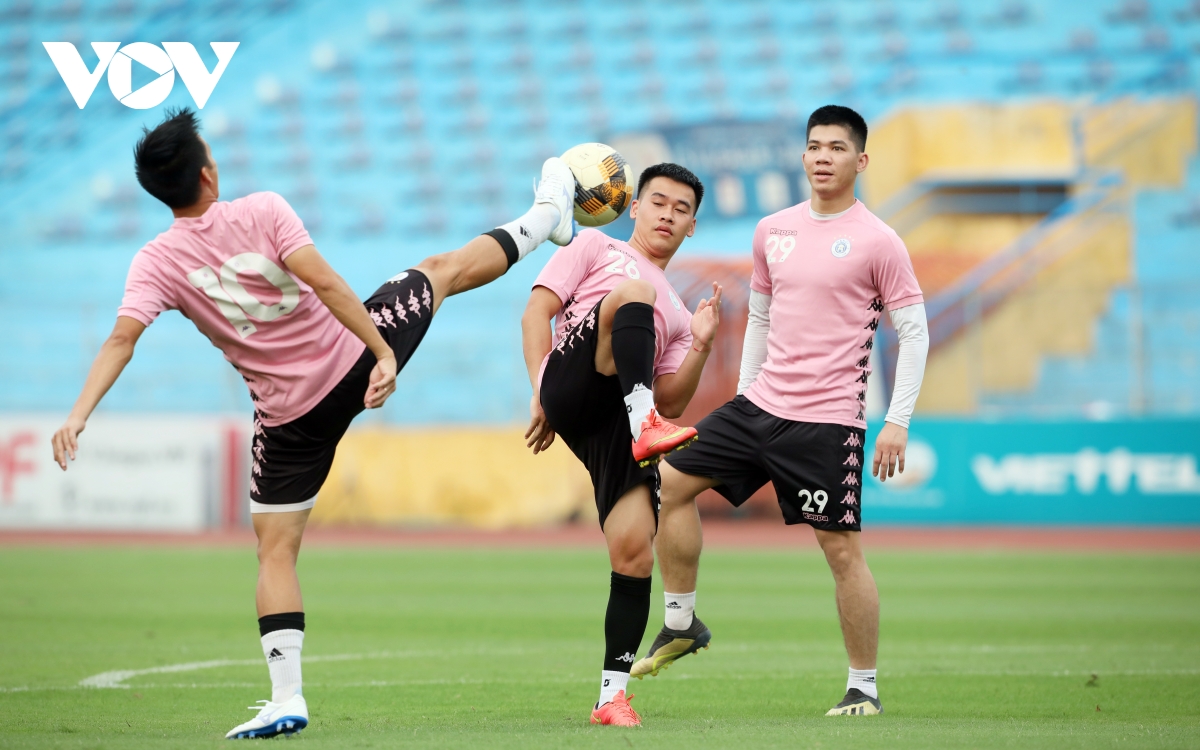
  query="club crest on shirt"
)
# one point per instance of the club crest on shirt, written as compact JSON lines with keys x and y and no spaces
{"x":841,"y":247}
{"x":674,"y":300}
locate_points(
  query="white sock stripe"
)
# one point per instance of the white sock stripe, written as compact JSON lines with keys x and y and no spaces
{"x":611,"y":683}
{"x":679,"y":609}
{"x":282,"y":649}
{"x":639,"y":403}
{"x":532,"y":228}
{"x":864,"y":680}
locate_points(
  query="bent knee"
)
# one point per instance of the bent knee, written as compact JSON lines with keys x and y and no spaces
{"x":634,"y":290}
{"x":633,"y":556}
{"x":842,"y":554}
{"x":437,"y":266}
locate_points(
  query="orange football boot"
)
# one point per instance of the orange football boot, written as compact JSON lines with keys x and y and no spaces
{"x":660,"y":437}
{"x":617,"y":713}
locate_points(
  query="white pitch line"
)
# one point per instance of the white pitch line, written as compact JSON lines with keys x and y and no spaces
{"x":117,"y":677}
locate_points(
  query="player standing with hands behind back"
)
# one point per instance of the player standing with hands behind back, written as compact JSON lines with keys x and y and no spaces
{"x":824,"y":272}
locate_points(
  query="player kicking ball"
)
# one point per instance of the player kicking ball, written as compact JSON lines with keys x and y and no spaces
{"x":313,"y":356}
{"x":625,"y":353}
{"x":824,"y":272}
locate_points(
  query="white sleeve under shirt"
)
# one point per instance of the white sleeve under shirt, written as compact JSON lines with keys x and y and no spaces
{"x":913,"y":331}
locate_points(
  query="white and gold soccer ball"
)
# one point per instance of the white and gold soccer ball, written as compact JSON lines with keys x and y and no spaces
{"x":603,"y":183}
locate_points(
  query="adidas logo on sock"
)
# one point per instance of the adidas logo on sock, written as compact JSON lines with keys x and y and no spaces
{"x":628,"y":658}
{"x":674,"y":605}
{"x":275,"y":655}
{"x":525,"y":232}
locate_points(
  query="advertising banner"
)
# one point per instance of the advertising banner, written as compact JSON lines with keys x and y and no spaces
{"x":161,"y":473}
{"x":1118,"y":473}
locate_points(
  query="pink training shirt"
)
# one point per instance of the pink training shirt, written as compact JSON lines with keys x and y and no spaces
{"x":592,"y":266}
{"x":829,"y":283}
{"x":225,"y":272}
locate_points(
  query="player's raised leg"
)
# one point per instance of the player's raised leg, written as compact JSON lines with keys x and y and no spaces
{"x":625,"y":348}
{"x":487,"y":257}
{"x":629,"y":532}
{"x":858,"y":612}
{"x":280,"y":625}
{"x":678,"y":543}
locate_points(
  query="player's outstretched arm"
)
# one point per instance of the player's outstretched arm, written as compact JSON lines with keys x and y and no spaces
{"x":673,"y":392}
{"x":114,"y":355}
{"x":536,"y":340}
{"x":336,"y":294}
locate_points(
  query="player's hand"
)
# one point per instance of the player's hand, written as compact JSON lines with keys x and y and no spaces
{"x":382,"y":382}
{"x":539,"y":436}
{"x":66,"y":442}
{"x":889,"y":451}
{"x":706,"y":318}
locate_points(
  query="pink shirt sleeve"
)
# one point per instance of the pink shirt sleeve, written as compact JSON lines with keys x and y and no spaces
{"x":760,"y":278}
{"x":894,"y":276}
{"x":675,"y":352}
{"x":146,"y":293}
{"x":568,"y":267}
{"x":290,"y":234}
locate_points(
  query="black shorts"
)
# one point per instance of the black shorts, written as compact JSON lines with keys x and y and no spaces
{"x":289,"y":463}
{"x":817,"y":468}
{"x":588,"y":412}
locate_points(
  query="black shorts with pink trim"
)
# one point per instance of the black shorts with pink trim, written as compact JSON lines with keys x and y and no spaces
{"x":291,"y":461}
{"x":816,"y":468}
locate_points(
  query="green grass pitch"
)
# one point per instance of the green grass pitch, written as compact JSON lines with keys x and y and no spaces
{"x":479,"y":648}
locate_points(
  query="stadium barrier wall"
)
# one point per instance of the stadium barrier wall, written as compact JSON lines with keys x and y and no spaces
{"x":188,"y":473}
{"x":132,"y":473}
{"x":1124,"y":473}
{"x":480,"y":477}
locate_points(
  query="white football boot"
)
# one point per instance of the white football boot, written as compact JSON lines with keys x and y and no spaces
{"x":273,"y":719}
{"x":557,"y":187}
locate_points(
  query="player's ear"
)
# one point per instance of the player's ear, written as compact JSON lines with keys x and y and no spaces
{"x":633,"y":209}
{"x":862,"y":162}
{"x":692,"y":227}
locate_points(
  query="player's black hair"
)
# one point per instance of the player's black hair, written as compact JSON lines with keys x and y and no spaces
{"x":169,"y":158}
{"x":834,"y":114}
{"x":682,"y":175}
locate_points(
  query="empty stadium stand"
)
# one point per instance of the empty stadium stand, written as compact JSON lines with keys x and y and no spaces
{"x":403,"y":129}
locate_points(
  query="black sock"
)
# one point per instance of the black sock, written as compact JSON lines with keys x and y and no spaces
{"x":281,"y":621}
{"x":633,"y":345}
{"x":625,"y":621}
{"x":507,"y":244}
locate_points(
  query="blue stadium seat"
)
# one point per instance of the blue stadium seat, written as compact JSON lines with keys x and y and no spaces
{"x":401,"y":134}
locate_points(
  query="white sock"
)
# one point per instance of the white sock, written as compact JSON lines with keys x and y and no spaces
{"x":282,"y":649}
{"x":611,"y":683}
{"x":533,"y":228}
{"x":864,"y":680}
{"x":679,"y":610}
{"x":639,"y":403}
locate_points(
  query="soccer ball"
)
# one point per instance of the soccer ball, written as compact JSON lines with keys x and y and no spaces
{"x":603,"y":183}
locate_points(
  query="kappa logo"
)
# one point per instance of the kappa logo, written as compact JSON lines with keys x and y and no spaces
{"x":851,"y":480}
{"x":628,"y":658}
{"x":851,"y":460}
{"x":841,"y":248}
{"x":853,"y":441}
{"x":118,"y":61}
{"x":848,"y":518}
{"x":850,"y":499}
